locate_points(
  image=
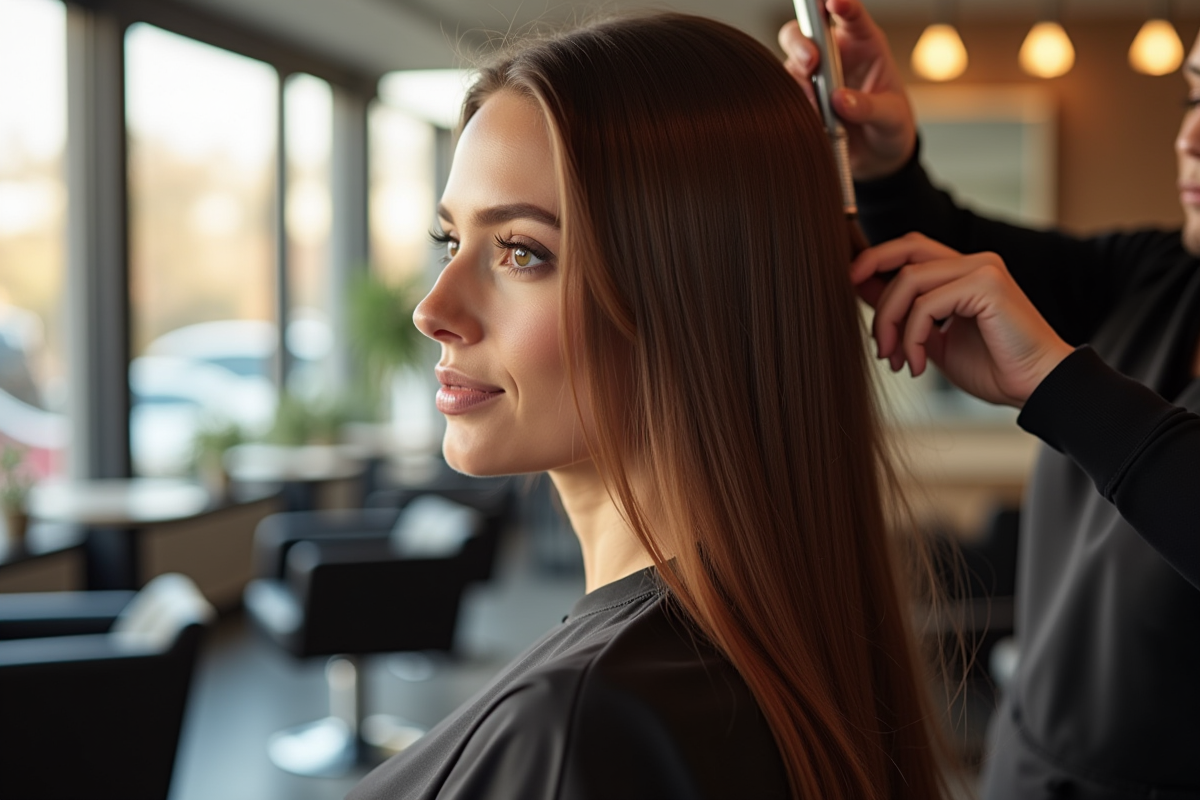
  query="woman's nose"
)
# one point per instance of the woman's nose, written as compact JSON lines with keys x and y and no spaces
{"x":1187,"y":143}
{"x":447,"y":313}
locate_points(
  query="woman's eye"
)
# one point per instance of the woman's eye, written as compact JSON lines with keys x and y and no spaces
{"x":524,"y":257}
{"x":444,"y":241}
{"x":521,"y":257}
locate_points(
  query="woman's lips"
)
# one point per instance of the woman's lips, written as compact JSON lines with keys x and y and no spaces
{"x":1189,"y":194}
{"x":461,"y":399}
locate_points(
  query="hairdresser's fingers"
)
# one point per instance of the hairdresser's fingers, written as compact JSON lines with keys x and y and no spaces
{"x":912,"y":248}
{"x":852,"y":18}
{"x":802,"y":57}
{"x":798,"y":47}
{"x":871,"y":289}
{"x":927,"y":316}
{"x":887,"y":111}
{"x":896,"y":304}
{"x":865,"y":54}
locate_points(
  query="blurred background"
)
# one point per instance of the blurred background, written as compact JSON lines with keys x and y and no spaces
{"x":213,"y":227}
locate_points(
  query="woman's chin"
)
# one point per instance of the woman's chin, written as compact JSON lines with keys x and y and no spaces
{"x":476,"y":462}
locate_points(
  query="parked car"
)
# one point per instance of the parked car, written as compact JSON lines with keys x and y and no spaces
{"x":219,"y":370}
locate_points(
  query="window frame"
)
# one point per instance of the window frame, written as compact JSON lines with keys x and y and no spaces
{"x":99,"y":344}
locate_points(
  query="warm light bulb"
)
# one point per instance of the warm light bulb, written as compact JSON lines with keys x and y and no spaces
{"x":939,"y":54}
{"x":1047,"y":51}
{"x":1156,"y":50}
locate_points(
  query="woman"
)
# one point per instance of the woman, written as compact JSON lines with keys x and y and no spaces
{"x":645,"y":295}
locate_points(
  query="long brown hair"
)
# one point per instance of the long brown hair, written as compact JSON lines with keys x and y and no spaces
{"x":710,"y":321}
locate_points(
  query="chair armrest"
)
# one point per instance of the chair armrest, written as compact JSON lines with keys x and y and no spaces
{"x":305,"y":556}
{"x":42,"y":614}
{"x":278,"y":533}
{"x":95,"y":647}
{"x":61,"y":649}
{"x":489,"y":496}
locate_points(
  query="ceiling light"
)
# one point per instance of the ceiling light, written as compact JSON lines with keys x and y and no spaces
{"x":940,"y":54}
{"x":1047,"y":51}
{"x":1156,"y":50}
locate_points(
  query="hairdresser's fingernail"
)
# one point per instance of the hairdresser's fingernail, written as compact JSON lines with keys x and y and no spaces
{"x":849,"y":101}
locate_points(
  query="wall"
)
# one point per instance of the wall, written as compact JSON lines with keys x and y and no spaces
{"x":1116,"y":163}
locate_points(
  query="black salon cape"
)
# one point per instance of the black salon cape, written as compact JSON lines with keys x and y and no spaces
{"x":618,"y":702}
{"x":1107,"y":696}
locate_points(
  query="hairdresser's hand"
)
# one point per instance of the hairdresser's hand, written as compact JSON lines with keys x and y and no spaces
{"x":965,"y":312}
{"x":874,"y":106}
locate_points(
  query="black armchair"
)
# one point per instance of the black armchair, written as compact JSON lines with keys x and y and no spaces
{"x":494,"y":498}
{"x":351,"y":583}
{"x":93,"y":688}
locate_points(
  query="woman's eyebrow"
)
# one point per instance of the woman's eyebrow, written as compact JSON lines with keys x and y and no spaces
{"x":497,"y":214}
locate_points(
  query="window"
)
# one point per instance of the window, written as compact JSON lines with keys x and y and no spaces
{"x":403,"y":175}
{"x":202,"y":129}
{"x":308,"y":135}
{"x":402,"y":201}
{"x":33,"y":371}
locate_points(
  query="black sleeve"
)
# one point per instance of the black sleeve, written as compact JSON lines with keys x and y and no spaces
{"x":1073,"y":282}
{"x":1142,"y":453}
{"x":553,"y":740}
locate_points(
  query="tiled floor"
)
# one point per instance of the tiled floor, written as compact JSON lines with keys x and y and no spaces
{"x":246,"y":688}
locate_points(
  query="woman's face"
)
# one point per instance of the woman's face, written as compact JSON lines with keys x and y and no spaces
{"x":495,"y":307}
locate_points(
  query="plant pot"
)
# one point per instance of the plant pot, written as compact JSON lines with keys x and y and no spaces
{"x":16,"y":523}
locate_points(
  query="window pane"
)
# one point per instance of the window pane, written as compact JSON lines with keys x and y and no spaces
{"x":308,"y":134}
{"x":403,"y":174}
{"x":33,"y":379}
{"x":202,"y":128}
{"x":402,"y":201}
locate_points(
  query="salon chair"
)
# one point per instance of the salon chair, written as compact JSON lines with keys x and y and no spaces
{"x":351,"y":583}
{"x":494,"y":498}
{"x":93,"y":688}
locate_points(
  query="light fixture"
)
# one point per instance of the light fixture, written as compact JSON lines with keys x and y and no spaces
{"x":940,"y":54}
{"x":1156,"y":50}
{"x":1047,"y":51}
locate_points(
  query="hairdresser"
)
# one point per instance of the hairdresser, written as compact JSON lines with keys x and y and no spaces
{"x":1096,"y":341}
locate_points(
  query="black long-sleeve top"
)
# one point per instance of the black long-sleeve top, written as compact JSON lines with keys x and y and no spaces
{"x":1108,"y":683}
{"x":620,"y":701}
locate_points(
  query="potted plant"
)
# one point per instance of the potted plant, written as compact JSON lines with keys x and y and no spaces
{"x":383,"y":336}
{"x":15,"y":483}
{"x":299,"y":421}
{"x":213,"y":439}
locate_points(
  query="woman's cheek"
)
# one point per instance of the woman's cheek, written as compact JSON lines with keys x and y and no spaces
{"x":531,"y":342}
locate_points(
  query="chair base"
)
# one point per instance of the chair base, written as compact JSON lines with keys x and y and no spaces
{"x":388,"y":735}
{"x":328,"y":748}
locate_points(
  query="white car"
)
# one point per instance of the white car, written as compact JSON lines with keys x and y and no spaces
{"x":219,"y":371}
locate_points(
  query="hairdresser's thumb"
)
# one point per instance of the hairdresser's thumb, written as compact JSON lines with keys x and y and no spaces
{"x":854,"y":106}
{"x":885,"y":111}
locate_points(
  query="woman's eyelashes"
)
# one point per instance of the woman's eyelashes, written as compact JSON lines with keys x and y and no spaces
{"x":518,"y":255}
{"x":445,"y":242}
{"x":524,"y":257}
